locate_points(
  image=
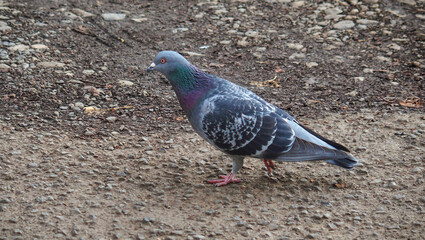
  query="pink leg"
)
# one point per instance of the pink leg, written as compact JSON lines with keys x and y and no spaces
{"x":224,"y":180}
{"x":269,"y":164}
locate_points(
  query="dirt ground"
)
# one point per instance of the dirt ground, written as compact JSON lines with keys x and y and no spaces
{"x":93,"y":147}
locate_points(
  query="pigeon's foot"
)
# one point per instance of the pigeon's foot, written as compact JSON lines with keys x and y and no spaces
{"x":269,"y":165}
{"x":224,"y":180}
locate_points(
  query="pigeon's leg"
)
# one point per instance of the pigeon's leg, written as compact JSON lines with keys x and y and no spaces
{"x":229,"y":178}
{"x":269,"y":164}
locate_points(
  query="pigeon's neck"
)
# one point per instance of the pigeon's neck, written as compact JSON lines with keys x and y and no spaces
{"x":190,"y":84}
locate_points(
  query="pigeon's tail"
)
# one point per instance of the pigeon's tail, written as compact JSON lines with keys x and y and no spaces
{"x":348,"y":163}
{"x":307,"y":151}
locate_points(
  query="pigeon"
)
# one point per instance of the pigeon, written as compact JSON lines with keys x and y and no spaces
{"x":240,"y":123}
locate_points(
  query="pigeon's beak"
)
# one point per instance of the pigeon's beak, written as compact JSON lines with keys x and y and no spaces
{"x":151,"y":67}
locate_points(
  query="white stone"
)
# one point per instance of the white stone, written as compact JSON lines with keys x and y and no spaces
{"x":251,"y":33}
{"x":50,"y":64}
{"x":312,"y":64}
{"x":396,"y":13}
{"x":279,"y":1}
{"x":139,"y":20}
{"x":226,"y":42}
{"x":368,"y":70}
{"x":181,"y":29}
{"x":18,"y":47}
{"x":4,"y":67}
{"x":333,"y":13}
{"x":394,"y":46}
{"x":4,"y":27}
{"x":70,"y":15}
{"x":125,"y":83}
{"x":113,"y":16}
{"x":220,"y":11}
{"x":257,"y":55}
{"x":295,"y":46}
{"x":111,"y":119}
{"x":199,"y":15}
{"x":383,"y":59}
{"x":345,"y":24}
{"x":354,"y":11}
{"x":420,"y":16}
{"x":79,"y":105}
{"x":375,"y":181}
{"x":358,"y":79}
{"x":352,"y":93}
{"x":367,"y":22}
{"x":408,"y":2}
{"x":387,"y":33}
{"x":242,"y":43}
{"x":297,"y":4}
{"x":88,"y":71}
{"x":39,"y":46}
{"x":193,"y":54}
{"x":82,"y":13}
{"x":296,"y":56}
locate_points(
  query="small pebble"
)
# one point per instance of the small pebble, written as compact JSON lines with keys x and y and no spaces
{"x":111,"y":119}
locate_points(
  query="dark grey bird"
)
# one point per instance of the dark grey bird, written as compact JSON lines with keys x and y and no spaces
{"x":242,"y":124}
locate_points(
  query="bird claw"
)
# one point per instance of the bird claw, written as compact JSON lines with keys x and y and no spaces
{"x":224,"y":180}
{"x":269,"y":165}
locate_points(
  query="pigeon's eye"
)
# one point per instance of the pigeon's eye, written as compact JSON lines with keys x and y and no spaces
{"x":162,"y":60}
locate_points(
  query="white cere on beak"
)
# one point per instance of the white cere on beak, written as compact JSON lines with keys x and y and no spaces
{"x":151,"y":67}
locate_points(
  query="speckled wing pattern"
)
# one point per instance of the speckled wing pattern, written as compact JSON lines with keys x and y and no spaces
{"x":242,"y":125}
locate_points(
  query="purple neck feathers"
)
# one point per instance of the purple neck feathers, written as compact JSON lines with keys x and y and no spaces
{"x":190,"y":84}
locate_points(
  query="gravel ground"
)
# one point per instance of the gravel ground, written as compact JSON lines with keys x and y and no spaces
{"x":92,"y":147}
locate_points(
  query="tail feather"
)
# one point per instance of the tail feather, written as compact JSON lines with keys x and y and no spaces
{"x":347,"y":163}
{"x":306,"y":151}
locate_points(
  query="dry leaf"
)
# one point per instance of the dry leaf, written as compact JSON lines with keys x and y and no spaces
{"x":217,"y":65}
{"x":94,"y":91}
{"x":340,"y":185}
{"x":91,"y":110}
{"x":82,"y":30}
{"x":272,"y":83}
{"x":412,"y":102}
{"x":390,"y":76}
{"x":279,"y":70}
{"x":266,"y":83}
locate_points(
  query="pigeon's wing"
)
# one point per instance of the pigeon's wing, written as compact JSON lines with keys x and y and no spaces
{"x":245,"y":126}
{"x":307,"y":134}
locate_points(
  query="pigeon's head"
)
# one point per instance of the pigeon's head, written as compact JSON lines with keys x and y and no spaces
{"x":167,"y":62}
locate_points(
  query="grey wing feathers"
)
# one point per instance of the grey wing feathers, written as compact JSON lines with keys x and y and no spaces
{"x":307,"y":134}
{"x":246,"y":127}
{"x":332,"y":143}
